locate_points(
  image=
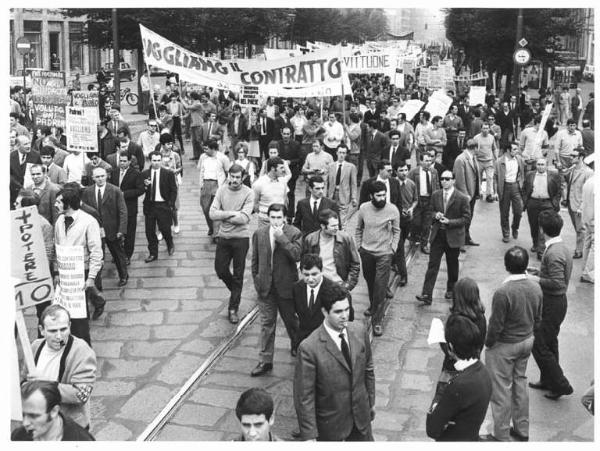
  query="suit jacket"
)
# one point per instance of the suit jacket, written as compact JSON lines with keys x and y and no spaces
{"x":506,"y":120}
{"x":278,"y":266}
{"x":113,"y":160}
{"x":270,"y":129}
{"x":167,"y":186}
{"x":57,"y":175}
{"x":575,"y":183}
{"x":47,"y":200}
{"x":500,"y":174}
{"x":415,"y":175}
{"x":17,"y":170}
{"x":347,"y":189}
{"x":330,"y":397}
{"x":305,"y":220}
{"x":375,"y":145}
{"x":215,"y":132}
{"x":120,"y":124}
{"x":132,"y":187}
{"x":394,"y":191}
{"x":279,"y":124}
{"x":113,"y":211}
{"x":242,"y":133}
{"x":458,"y":212}
{"x":401,"y":154}
{"x":554,"y":188}
{"x":466,"y":175}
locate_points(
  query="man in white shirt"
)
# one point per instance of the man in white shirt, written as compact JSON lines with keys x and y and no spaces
{"x":270,"y":189}
{"x":334,"y":133}
{"x":212,"y":166}
{"x":531,"y":148}
{"x":149,"y":138}
{"x":509,"y":176}
{"x":587,"y":218}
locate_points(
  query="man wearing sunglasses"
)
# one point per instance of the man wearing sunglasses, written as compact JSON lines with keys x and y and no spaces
{"x":451,"y":213}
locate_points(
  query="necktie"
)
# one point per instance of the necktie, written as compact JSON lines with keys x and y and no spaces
{"x":115,"y":126}
{"x":311,"y":301}
{"x":445,"y":201}
{"x":264,"y":127}
{"x":338,"y":175}
{"x":68,"y":222}
{"x":569,"y":187}
{"x":121,"y":178}
{"x":392,"y":154}
{"x":23,"y":157}
{"x":99,"y":202}
{"x":428,"y":181}
{"x":346,"y":350}
{"x":153,"y":191}
{"x":209,"y":129}
{"x":315,"y":208}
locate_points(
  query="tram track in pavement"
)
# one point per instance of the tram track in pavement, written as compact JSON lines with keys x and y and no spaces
{"x":155,"y":427}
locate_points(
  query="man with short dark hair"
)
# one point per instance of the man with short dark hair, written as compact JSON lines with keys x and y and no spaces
{"x":289,"y":151}
{"x":66,"y":359}
{"x":20,"y":160}
{"x":124,"y":143}
{"x":516,"y":315}
{"x":266,"y":131}
{"x":232,"y":207}
{"x":467,"y":181}
{"x":159,"y":202}
{"x":212,"y":167}
{"x":270,"y":188}
{"x":426,"y":179}
{"x":254,"y":410}
{"x":375,"y":144}
{"x":46,"y":190}
{"x":408,"y":200}
{"x":509,"y":177}
{"x":579,"y":174}
{"x":56,"y":174}
{"x":341,"y":186}
{"x":396,"y":152}
{"x":377,"y":235}
{"x":307,"y":210}
{"x":334,"y":381}
{"x":554,"y":276}
{"x":451,"y":215}
{"x":275,"y":250}
{"x":42,"y":417}
{"x":587,"y":137}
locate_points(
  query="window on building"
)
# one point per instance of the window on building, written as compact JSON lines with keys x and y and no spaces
{"x":33,"y":31}
{"x":76,"y":46}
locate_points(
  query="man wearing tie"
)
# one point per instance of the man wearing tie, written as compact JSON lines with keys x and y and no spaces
{"x":466,"y":180}
{"x":341,"y":186}
{"x":307,"y":210}
{"x":395,"y":153}
{"x":266,"y":128}
{"x":409,"y":198}
{"x":426,"y":179}
{"x":110,"y":205}
{"x":115,"y":122}
{"x":131,"y":184}
{"x":19,"y":159}
{"x":451,"y":215}
{"x":161,"y":193}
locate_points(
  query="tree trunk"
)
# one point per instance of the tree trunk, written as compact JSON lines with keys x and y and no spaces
{"x":249,"y":46}
{"x":140,"y":70}
{"x":508,"y":89}
{"x":222,"y":49}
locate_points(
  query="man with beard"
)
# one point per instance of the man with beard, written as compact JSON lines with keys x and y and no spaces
{"x":377,"y":236}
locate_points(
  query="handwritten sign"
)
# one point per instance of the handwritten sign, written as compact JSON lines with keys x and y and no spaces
{"x":28,"y":258}
{"x":438,"y":104}
{"x":71,"y":272}
{"x":48,"y":78}
{"x":477,"y":95}
{"x":81,"y":129}
{"x":49,"y":106}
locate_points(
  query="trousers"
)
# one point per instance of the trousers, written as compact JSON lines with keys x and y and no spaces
{"x":578,"y":226}
{"x":534,"y":208}
{"x":439,"y":247}
{"x":511,"y":195}
{"x":229,"y":249}
{"x":421,"y":223}
{"x":158,"y":213}
{"x":268,"y":308}
{"x":207,"y":195}
{"x":588,"y":252}
{"x":376,"y":271}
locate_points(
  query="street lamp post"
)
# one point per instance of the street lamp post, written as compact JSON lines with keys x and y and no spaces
{"x":116,"y":63}
{"x":517,"y":67}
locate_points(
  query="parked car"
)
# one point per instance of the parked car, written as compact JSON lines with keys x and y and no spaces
{"x":126,"y":72}
{"x":158,"y":72}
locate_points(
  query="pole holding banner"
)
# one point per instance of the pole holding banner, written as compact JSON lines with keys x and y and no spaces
{"x":151,"y":89}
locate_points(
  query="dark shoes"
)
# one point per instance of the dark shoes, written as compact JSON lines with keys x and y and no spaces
{"x":505,"y":239}
{"x":171,"y":250}
{"x":127,"y":261}
{"x":470,"y":242}
{"x":515,"y":234}
{"x":518,"y":437}
{"x":424,"y":298}
{"x":123,"y":281}
{"x":538,"y":385}
{"x":261,"y":369}
{"x":425,"y":249}
{"x":97,"y":299}
{"x":488,"y":438}
{"x":150,"y":258}
{"x":533,"y":249}
{"x":294,"y":352}
{"x":233,"y":316}
{"x":296,"y":433}
{"x":584,"y":280}
{"x":98,"y":311}
{"x":367,"y":312}
{"x":554,"y":395}
{"x":577,"y":255}
{"x":403,"y":281}
{"x":377,"y":330}
{"x":489,"y":198}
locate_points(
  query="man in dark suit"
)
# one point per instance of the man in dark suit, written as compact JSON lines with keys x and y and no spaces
{"x":126,"y":144}
{"x":109,"y":202}
{"x":453,"y":148}
{"x":20,"y":159}
{"x":541,"y":191}
{"x":451,"y":215}
{"x":466,"y":180}
{"x":334,"y":380}
{"x":275,"y":250}
{"x":159,"y":203}
{"x":509,"y":176}
{"x":384,"y":175}
{"x":505,"y":119}
{"x":409,"y":198}
{"x":266,"y":131}
{"x":237,"y":127}
{"x":128,"y":179}
{"x":115,"y":123}
{"x":308,"y":293}
{"x":307,"y":210}
{"x":210,"y":130}
{"x":46,"y":190}
{"x":289,"y":150}
{"x":395,"y":152}
{"x":114,"y":158}
{"x":375,"y":145}
{"x":426,"y":179}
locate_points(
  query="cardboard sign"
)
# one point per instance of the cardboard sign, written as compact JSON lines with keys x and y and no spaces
{"x":81,"y":129}
{"x":411,"y":108}
{"x":438,"y":104}
{"x":29,"y":263}
{"x":71,"y":270}
{"x":54,"y":79}
{"x":249,"y":96}
{"x":477,"y":95}
{"x":49,"y":106}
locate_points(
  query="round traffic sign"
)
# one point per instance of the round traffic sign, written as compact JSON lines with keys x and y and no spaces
{"x":522,"y":56}
{"x":23,"y":45}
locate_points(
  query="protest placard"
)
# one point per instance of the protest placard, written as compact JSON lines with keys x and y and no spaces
{"x":70,"y":292}
{"x":53,"y":79}
{"x":249,"y":96}
{"x":49,"y":106}
{"x":477,"y":95}
{"x":438,"y":104}
{"x":29,"y":264}
{"x":81,"y":129}
{"x":411,"y":108}
{"x":370,"y":63}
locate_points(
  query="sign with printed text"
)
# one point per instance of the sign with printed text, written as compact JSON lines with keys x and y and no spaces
{"x":48,"y":78}
{"x":249,"y":95}
{"x":29,"y":263}
{"x":81,"y":129}
{"x":371,"y":63}
{"x":70,"y":292}
{"x":321,"y":69}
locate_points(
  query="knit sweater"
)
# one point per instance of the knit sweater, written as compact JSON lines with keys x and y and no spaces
{"x":378,"y":229}
{"x":227,"y":199}
{"x":516,"y":309}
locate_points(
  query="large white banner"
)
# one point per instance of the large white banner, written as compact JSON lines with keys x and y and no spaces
{"x":320,"y":70}
{"x":82,"y":134}
{"x":70,"y":292}
{"x":371,"y":63}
